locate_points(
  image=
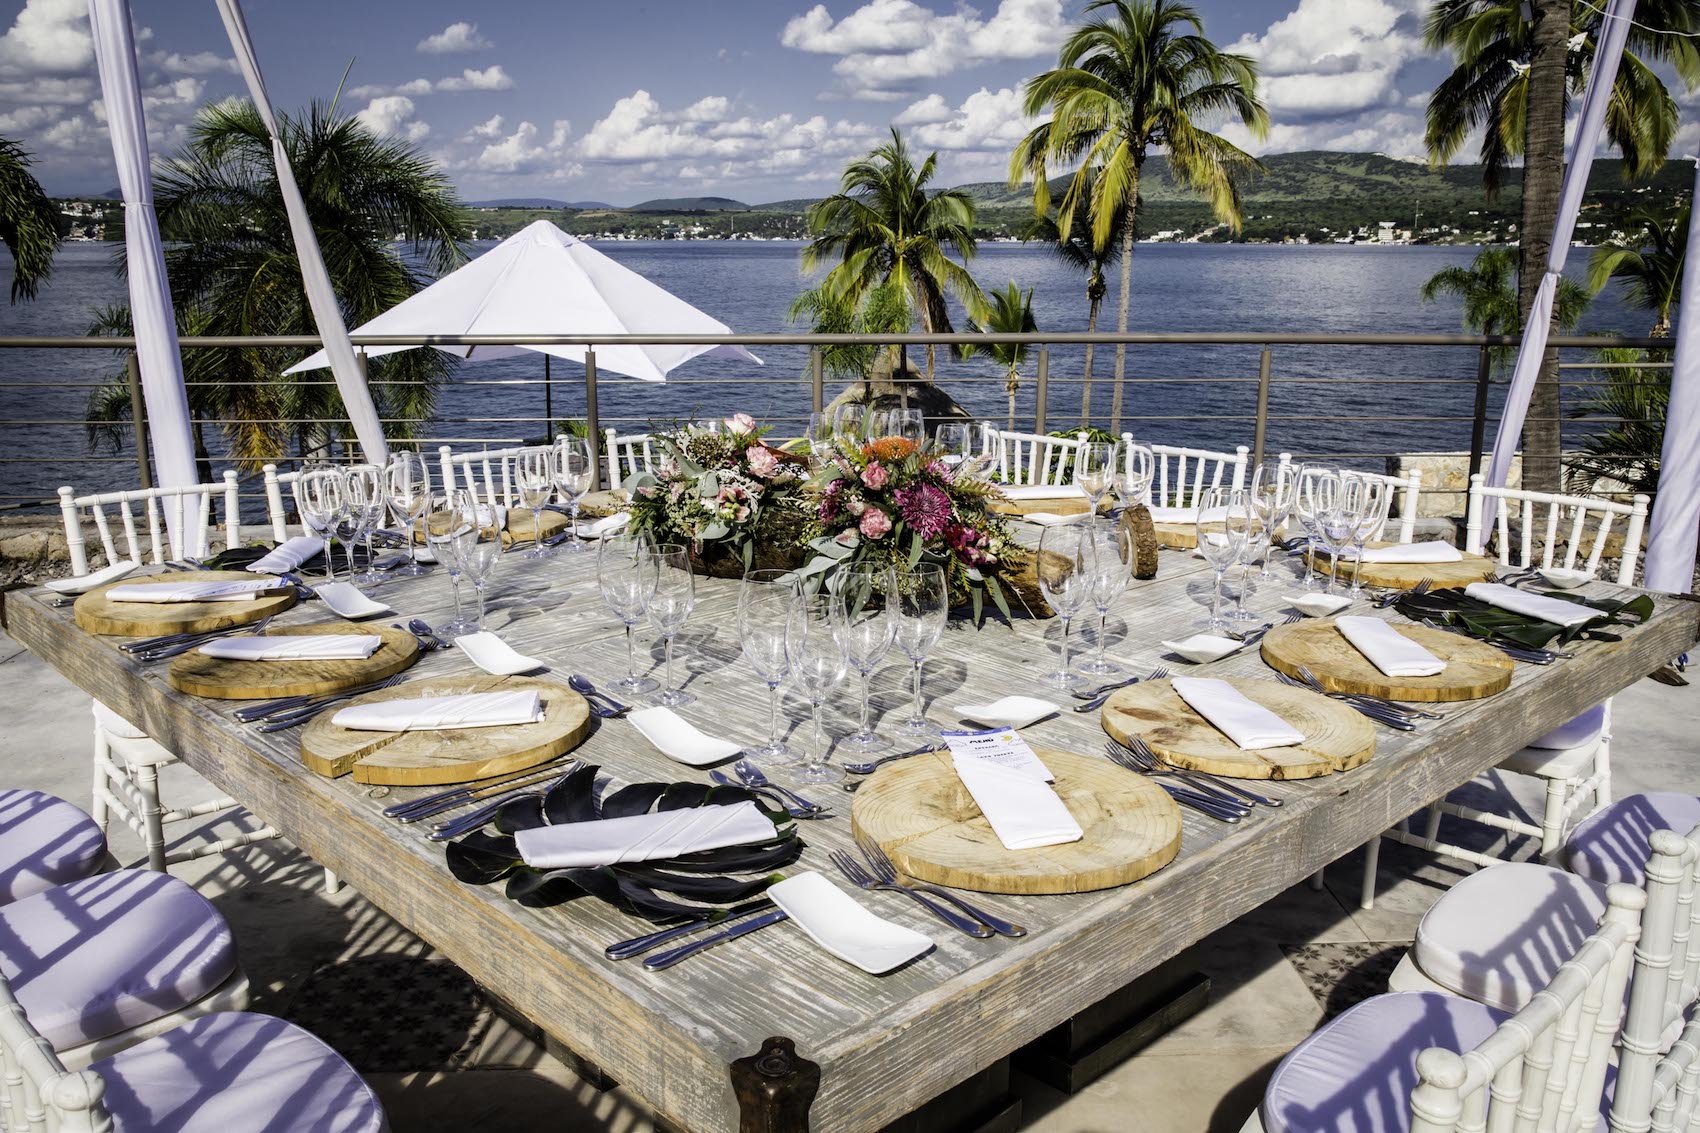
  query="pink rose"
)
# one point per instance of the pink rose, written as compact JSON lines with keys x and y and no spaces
{"x":740,"y":423}
{"x":762,"y":461}
{"x":875,"y":523}
{"x":875,"y":475}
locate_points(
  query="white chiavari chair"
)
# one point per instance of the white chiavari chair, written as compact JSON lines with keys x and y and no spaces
{"x":277,"y":515}
{"x":627,"y":455}
{"x":1573,"y":532}
{"x":1181,"y":475}
{"x":178,"y":522}
{"x":45,"y":841}
{"x":1031,"y":458}
{"x":1406,"y":489}
{"x":488,"y":474}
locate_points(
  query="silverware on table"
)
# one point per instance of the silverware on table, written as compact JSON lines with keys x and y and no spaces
{"x":858,"y":876}
{"x":1422,"y":587}
{"x":743,"y":928}
{"x":1316,"y":685}
{"x":886,"y":870}
{"x":256,"y":712}
{"x":1375,"y":712}
{"x":751,"y":776}
{"x":1216,"y":805}
{"x":1088,"y":694}
{"x":638,"y":945}
{"x":467,"y":793}
{"x":772,"y":795}
{"x":150,"y":644}
{"x":1161,"y":672}
{"x":166,"y":652}
{"x":604,"y":706}
{"x":422,"y":630}
{"x":868,"y":766}
{"x":1142,"y":754}
{"x":473,"y":819}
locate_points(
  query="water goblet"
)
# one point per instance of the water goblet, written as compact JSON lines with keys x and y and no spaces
{"x":626,"y":574}
{"x":909,"y":424}
{"x":407,"y":487}
{"x":575,"y":472}
{"x":1272,"y":484}
{"x":669,"y":608}
{"x":953,"y":443}
{"x":1094,"y":470}
{"x":1112,"y":549}
{"x":849,"y":420}
{"x":319,"y":498}
{"x":881,"y":423}
{"x":764,"y":614}
{"x":474,"y":544}
{"x":1133,"y":472}
{"x":923,"y":607}
{"x":364,"y":511}
{"x":1067,"y":562}
{"x":866,"y":613}
{"x":534,"y":472}
{"x":814,"y":649}
{"x":1223,"y":508}
{"x":1256,"y":544}
{"x":1314,"y":486}
{"x":1367,"y":501}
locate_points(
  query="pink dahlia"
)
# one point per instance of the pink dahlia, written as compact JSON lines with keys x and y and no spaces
{"x":875,"y":476}
{"x":925,"y":509}
{"x":875,"y":523}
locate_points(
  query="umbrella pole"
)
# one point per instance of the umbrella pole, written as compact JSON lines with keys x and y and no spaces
{"x":548,"y":402}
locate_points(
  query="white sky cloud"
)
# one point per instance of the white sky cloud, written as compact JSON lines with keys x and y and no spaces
{"x":457,"y":39}
{"x":198,"y":63}
{"x":491,"y":78}
{"x":1333,"y":57}
{"x":49,"y":37}
{"x":393,"y":114}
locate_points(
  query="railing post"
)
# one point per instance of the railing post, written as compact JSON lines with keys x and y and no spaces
{"x":548,"y":403}
{"x":1262,"y":429}
{"x":817,"y":379}
{"x":138,"y":418}
{"x":1041,"y":389}
{"x":1478,"y":426}
{"x":592,"y":418}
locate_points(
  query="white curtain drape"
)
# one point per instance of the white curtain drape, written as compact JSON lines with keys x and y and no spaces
{"x":1675,"y":528}
{"x":1601,"y":78}
{"x":350,"y":381}
{"x":151,"y":313}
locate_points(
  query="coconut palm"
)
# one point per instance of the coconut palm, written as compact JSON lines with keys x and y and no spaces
{"x":233,"y":269}
{"x":1091,"y":258}
{"x":1487,"y":290}
{"x":884,"y":310}
{"x":1009,"y":311}
{"x":885,"y":226}
{"x":1137,"y":77}
{"x":1648,"y":263}
{"x":29,"y":223}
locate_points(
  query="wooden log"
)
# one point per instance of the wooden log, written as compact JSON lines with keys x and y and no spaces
{"x":1136,"y":521}
{"x":1403,"y":576}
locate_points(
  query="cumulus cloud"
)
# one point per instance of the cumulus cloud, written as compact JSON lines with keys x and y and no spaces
{"x":1334,"y":57}
{"x":457,"y":39}
{"x":48,"y":37}
{"x":196,"y":63}
{"x":987,"y":121}
{"x":525,"y":151}
{"x":393,"y":115}
{"x":490,"y":78}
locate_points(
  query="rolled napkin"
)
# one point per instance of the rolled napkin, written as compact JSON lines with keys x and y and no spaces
{"x":245,"y":591}
{"x":441,"y":713}
{"x":1388,"y":649}
{"x":1042,"y":491}
{"x":89,"y":581}
{"x":1430,"y":551}
{"x":288,"y":555}
{"x":305,"y":647}
{"x":677,"y":738}
{"x":643,"y":837}
{"x":1248,"y":724}
{"x":1023,"y":809}
{"x":1554,"y":610}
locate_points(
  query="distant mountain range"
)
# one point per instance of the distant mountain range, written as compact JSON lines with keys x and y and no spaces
{"x":536,"y":203}
{"x":690,"y":204}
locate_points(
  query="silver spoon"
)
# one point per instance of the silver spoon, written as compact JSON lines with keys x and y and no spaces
{"x":753,"y":777}
{"x":868,"y":767}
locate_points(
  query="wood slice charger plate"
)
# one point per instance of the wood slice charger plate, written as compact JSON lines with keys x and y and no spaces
{"x":222,"y":679}
{"x":1337,"y":737}
{"x":1177,"y":536}
{"x":1473,"y":670}
{"x":1403,"y":576}
{"x":453,"y":755}
{"x":921,"y":814}
{"x":96,"y":613}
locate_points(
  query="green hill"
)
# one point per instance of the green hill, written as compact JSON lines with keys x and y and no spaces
{"x":691,"y":204}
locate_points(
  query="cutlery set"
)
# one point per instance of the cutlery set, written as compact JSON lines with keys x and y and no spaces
{"x":1094,"y":698}
{"x":1196,"y":790}
{"x":151,"y":649}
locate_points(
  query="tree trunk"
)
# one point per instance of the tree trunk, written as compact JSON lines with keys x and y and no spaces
{"x":1011,"y":383}
{"x":1121,"y":309}
{"x":1543,"y":179}
{"x":1086,"y":380}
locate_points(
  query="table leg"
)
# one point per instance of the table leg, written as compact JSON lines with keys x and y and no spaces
{"x":775,"y":1088}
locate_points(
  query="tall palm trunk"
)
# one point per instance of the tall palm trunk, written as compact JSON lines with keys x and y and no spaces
{"x":1011,"y":383}
{"x":1095,"y":294}
{"x":1121,"y":308}
{"x":1543,"y":177}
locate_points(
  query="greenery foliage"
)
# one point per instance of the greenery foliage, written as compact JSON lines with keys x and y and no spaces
{"x":29,"y":222}
{"x":1488,"y":292}
{"x":1011,"y":312}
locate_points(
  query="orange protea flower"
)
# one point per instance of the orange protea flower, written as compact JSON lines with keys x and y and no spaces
{"x":890,"y":450}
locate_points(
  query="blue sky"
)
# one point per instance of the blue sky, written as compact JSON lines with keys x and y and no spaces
{"x":759,"y":100}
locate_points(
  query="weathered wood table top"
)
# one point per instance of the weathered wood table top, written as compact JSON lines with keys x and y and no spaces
{"x":885,"y":1044}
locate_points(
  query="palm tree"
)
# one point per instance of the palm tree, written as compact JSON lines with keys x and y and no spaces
{"x":1132,"y":80}
{"x":1081,"y":252}
{"x":1649,"y":263}
{"x":1010,"y":312}
{"x":29,"y":224}
{"x":884,"y":226}
{"x":1511,"y":80}
{"x":233,"y":270}
{"x":884,"y":310}
{"x":1488,"y":291}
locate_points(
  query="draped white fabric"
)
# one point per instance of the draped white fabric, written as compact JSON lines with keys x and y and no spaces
{"x":1675,"y":527}
{"x":1601,"y":78}
{"x":151,"y":313}
{"x":351,"y":383}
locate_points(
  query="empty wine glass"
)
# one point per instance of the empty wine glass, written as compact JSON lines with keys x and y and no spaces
{"x":407,"y":487}
{"x":1272,"y":484}
{"x":869,"y":623}
{"x":764,"y":615}
{"x":923,"y":607}
{"x":534,"y":471}
{"x":575,"y":472}
{"x":626,"y":573}
{"x":1135,"y":465}
{"x":1314,"y":487}
{"x":953,"y":442}
{"x":1067,"y":562}
{"x":1367,"y":502}
{"x":1223,"y":523}
{"x":320,"y":498}
{"x":1095,"y":470}
{"x":814,"y":649}
{"x":364,"y":510}
{"x":1112,"y":552}
{"x":1256,"y":543}
{"x":881,"y":423}
{"x":1335,"y":520}
{"x":909,"y":424}
{"x":850,"y":420}
{"x":669,"y":608}
{"x":474,"y":544}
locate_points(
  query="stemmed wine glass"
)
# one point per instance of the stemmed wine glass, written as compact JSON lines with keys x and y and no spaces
{"x":534,"y":470}
{"x":320,"y":498}
{"x":860,"y":593}
{"x":1067,"y":563}
{"x":764,"y":614}
{"x":1272,"y":502}
{"x":1112,"y":550}
{"x":1095,"y":470}
{"x":1256,"y":544}
{"x":474,"y":546}
{"x":814,"y":648}
{"x":953,"y":440}
{"x":1227,"y":507}
{"x":881,"y":423}
{"x":575,"y":471}
{"x":1366,"y":506}
{"x":669,"y":608}
{"x":1133,"y":472}
{"x":364,"y":511}
{"x":626,"y":573}
{"x":1314,"y":487}
{"x":923,"y":607}
{"x":407,"y":487}
{"x":909,"y":424}
{"x":1336,"y":519}
{"x":849,"y":420}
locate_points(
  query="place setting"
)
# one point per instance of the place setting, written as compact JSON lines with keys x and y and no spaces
{"x":1372,"y":657}
{"x":291,"y":661}
{"x":181,"y":602}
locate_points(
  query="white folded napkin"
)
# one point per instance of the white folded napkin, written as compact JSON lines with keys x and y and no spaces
{"x":89,"y":581}
{"x":607,"y":525}
{"x":304,"y":647}
{"x":493,"y":655}
{"x":1050,"y":518}
{"x":1429,"y":551}
{"x":245,"y":591}
{"x":1388,"y":649}
{"x":440,"y":713}
{"x":1554,"y":610}
{"x":643,"y":837}
{"x":1250,"y":725}
{"x":1042,"y":491}
{"x":677,"y":738}
{"x":1023,"y":809}
{"x":1185,"y":514}
{"x":844,"y":926}
{"x":288,"y":555}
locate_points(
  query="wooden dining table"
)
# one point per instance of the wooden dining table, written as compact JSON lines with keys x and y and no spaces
{"x":770,"y":1032}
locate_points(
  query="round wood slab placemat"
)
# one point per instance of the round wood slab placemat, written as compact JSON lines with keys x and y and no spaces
{"x":519,"y":524}
{"x":222,"y":679}
{"x":1473,"y":670}
{"x":95,"y":613}
{"x":1056,"y":505}
{"x":1337,"y":738}
{"x":1403,"y":576}
{"x":454,"y":755}
{"x":921,"y":814}
{"x":1177,"y":536}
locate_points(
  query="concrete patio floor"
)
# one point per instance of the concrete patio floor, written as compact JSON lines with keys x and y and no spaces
{"x":335,"y":963}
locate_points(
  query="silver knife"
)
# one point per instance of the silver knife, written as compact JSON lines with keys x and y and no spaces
{"x":674,"y":955}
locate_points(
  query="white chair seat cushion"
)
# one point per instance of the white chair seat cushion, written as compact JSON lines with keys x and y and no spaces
{"x":1584,"y":730}
{"x":1611,"y":845}
{"x":129,"y":743}
{"x":236,"y":1072}
{"x":110,"y":953}
{"x":1499,"y":935}
{"x":115,"y":725}
{"x":1554,"y":763}
{"x":44,"y":841}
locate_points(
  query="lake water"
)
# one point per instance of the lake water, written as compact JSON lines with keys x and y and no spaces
{"x":1324,"y":399}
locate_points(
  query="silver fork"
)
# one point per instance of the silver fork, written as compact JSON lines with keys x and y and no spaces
{"x":1161,"y":672}
{"x":164,"y":653}
{"x":1214,"y":805}
{"x":1311,"y":679}
{"x":1374,"y":712}
{"x":862,"y":879}
{"x":1143,"y":754}
{"x":1422,"y":587}
{"x":271,"y":708}
{"x":886,"y":870}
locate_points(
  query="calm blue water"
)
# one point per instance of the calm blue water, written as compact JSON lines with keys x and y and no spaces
{"x":1320,"y":404}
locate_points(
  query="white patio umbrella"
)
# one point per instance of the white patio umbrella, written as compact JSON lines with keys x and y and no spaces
{"x":542,"y":281}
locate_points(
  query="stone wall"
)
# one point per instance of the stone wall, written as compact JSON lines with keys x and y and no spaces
{"x":1445,"y":481}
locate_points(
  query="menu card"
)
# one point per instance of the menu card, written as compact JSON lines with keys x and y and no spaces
{"x":998,"y":747}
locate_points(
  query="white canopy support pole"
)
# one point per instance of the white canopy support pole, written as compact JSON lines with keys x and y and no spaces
{"x":350,"y":381}
{"x":1675,"y":530}
{"x":1614,"y":29}
{"x":151,"y":314}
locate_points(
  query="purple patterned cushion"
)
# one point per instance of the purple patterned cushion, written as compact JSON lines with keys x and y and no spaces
{"x":237,"y":1073}
{"x":44,"y":841}
{"x":109,"y":953}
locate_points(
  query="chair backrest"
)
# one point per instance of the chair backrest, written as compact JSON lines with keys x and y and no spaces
{"x":180,"y":517}
{"x":1405,"y":489}
{"x":1032,"y":458}
{"x":1544,"y":1069}
{"x":1180,"y":475}
{"x":276,"y":515}
{"x":627,"y":455}
{"x":1560,"y":520}
{"x":488,"y":474}
{"x":37,"y":1093}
